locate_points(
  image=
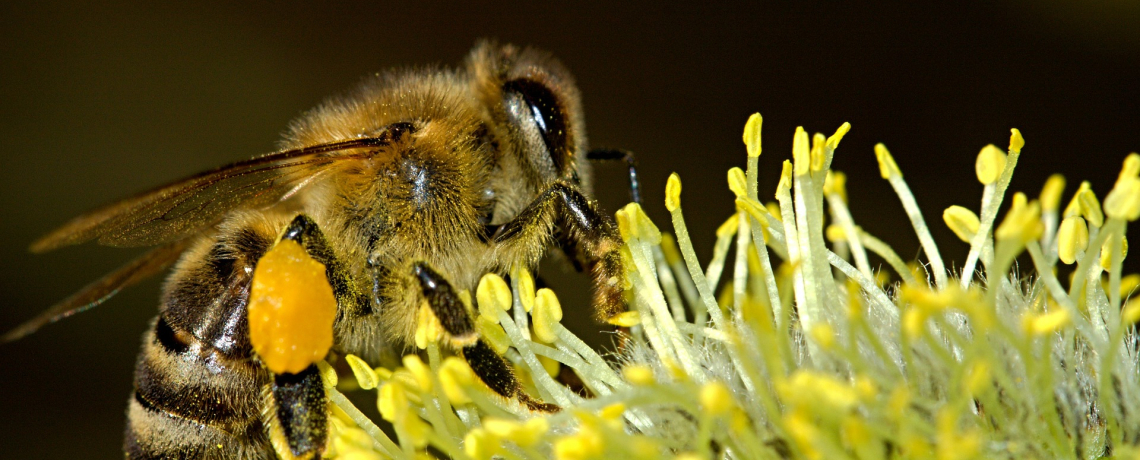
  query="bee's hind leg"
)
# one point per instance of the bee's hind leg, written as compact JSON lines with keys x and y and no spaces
{"x":491,"y":368}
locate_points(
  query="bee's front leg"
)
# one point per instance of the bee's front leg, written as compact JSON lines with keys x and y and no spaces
{"x":593,"y":235}
{"x":491,"y":368}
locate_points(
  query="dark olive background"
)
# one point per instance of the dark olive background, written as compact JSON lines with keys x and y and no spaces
{"x":97,"y":102}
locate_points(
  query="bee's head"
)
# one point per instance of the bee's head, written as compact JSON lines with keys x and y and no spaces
{"x":534,"y":105}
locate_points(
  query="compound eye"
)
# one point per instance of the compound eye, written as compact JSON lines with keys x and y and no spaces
{"x":536,"y":111}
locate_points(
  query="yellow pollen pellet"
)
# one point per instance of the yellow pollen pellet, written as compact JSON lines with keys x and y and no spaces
{"x":752,"y":134}
{"x":291,"y":309}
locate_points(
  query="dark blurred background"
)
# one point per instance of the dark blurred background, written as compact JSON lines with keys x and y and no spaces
{"x":97,"y":102}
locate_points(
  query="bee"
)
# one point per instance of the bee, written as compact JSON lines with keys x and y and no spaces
{"x":406,"y":192}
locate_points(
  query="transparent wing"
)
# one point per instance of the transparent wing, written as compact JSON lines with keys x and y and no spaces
{"x":181,"y":209}
{"x":102,"y":289}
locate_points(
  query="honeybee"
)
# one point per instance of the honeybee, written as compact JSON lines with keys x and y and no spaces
{"x":407,"y":191}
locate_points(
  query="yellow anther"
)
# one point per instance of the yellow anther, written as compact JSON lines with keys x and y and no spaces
{"x":525,"y":287}
{"x":493,"y":296}
{"x":801,"y":152}
{"x":887,"y":165}
{"x":586,"y":444}
{"x":328,"y":374}
{"x":550,"y":365}
{"x":1074,"y":207}
{"x":728,"y":228}
{"x":898,"y":402}
{"x":1123,"y":202}
{"x":393,"y":402}
{"x":419,"y":370}
{"x":835,"y":233}
{"x":638,"y":374}
{"x":454,"y":377}
{"x":737,"y":182}
{"x":990,"y":164}
{"x":502,"y":428}
{"x":818,"y":153}
{"x":1106,"y":253}
{"x":1072,"y":239}
{"x":803,"y":430}
{"x":835,"y":183}
{"x":978,"y":379}
{"x":480,"y":444}
{"x":1128,"y":284}
{"x":1051,"y":193}
{"x":913,"y":322}
{"x":418,"y":431}
{"x":1022,"y":222}
{"x":365,"y":376}
{"x":673,"y":192}
{"x":291,"y":309}
{"x":625,"y":319}
{"x":855,"y":433}
{"x":1090,"y":207}
{"x":1016,"y":142}
{"x":612,"y":412}
{"x":752,"y":134}
{"x":547,"y":313}
{"x":640,"y":225}
{"x":833,"y":140}
{"x":774,"y":210}
{"x":1046,"y":323}
{"x":531,"y":432}
{"x":1131,"y":312}
{"x":824,"y":335}
{"x":818,"y":390}
{"x":962,"y":221}
{"x":785,"y":183}
{"x":669,"y":247}
{"x":1131,"y":167}
{"x":492,"y":333}
{"x":716,"y":398}
{"x":428,"y":328}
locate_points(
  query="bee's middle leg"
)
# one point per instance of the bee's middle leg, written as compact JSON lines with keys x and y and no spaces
{"x":491,"y":368}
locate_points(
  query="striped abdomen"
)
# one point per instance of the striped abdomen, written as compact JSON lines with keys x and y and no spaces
{"x":198,"y":392}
